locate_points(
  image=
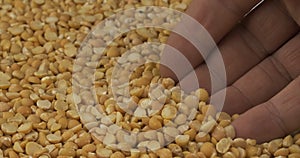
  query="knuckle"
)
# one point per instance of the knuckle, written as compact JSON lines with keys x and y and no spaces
{"x":276,"y":117}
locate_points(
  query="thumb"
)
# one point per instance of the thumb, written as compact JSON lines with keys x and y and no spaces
{"x":275,"y":118}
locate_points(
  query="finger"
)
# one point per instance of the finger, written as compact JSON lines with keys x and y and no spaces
{"x":280,"y":115}
{"x":217,"y":17}
{"x":293,"y":9}
{"x":261,"y":33}
{"x":264,"y":80}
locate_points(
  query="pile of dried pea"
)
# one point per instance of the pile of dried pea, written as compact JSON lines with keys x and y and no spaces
{"x":38,"y":113}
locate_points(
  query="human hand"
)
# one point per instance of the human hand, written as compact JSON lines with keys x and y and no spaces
{"x":261,"y":53}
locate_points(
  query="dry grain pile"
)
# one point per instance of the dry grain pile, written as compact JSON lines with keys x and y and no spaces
{"x":38,"y":114}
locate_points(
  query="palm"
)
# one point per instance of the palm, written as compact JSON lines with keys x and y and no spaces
{"x":262,"y":62}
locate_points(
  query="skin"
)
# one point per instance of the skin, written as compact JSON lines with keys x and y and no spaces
{"x":261,"y":53}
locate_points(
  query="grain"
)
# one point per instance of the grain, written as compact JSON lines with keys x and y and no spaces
{"x":182,"y":140}
{"x":176,"y":95}
{"x":223,"y":145}
{"x":109,"y":139}
{"x":230,"y":131}
{"x":4,"y":106}
{"x":294,"y":148}
{"x":175,"y":149}
{"x":25,"y":128}
{"x":239,"y":142}
{"x":169,"y":112}
{"x":50,"y":35}
{"x":117,"y":154}
{"x":202,"y":94}
{"x":38,"y":50}
{"x":113,"y":52}
{"x":287,"y":141}
{"x":53,"y":138}
{"x":252,"y":151}
{"x":155,"y":123}
{"x":153,"y":145}
{"x":44,"y":104}
{"x":32,"y":148}
{"x":282,"y":152}
{"x":103,"y":152}
{"x":16,"y":30}
{"x":274,"y":145}
{"x":191,"y":101}
{"x":294,"y":155}
{"x":171,"y":131}
{"x":207,"y":149}
{"x":208,"y":126}
{"x":164,"y":153}
{"x":67,"y":152}
{"x":218,"y":133}
{"x":60,"y":105}
{"x":180,"y":119}
{"x":9,"y":128}
{"x":36,"y":25}
{"x":229,"y":155}
{"x":202,"y":137}
{"x":16,"y":49}
{"x":39,"y":2}
{"x":4,"y":80}
{"x":70,"y":51}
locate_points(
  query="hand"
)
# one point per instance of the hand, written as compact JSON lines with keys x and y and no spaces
{"x":261,"y":53}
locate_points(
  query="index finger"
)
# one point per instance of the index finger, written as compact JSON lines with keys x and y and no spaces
{"x":218,"y":17}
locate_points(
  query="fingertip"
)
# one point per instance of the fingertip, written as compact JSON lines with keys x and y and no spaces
{"x":257,"y":124}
